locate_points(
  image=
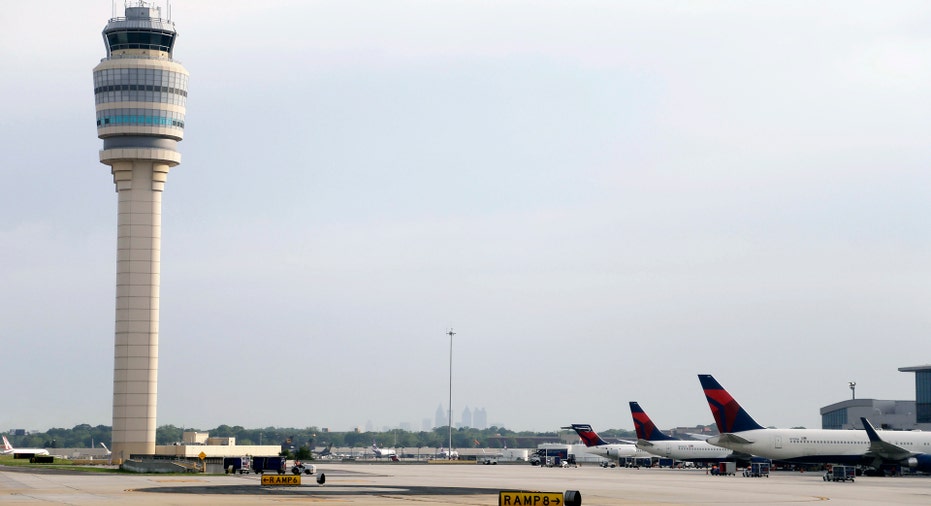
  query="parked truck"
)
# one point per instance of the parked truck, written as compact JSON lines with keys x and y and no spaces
{"x":724,"y":469}
{"x":554,"y":456}
{"x":241,"y":465}
{"x":840,"y":473}
{"x":261,"y":465}
{"x":758,"y":470}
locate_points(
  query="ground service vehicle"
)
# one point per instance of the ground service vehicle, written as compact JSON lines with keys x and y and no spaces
{"x":840,"y":473}
{"x":301,"y":468}
{"x":757,"y":470}
{"x":261,"y":465}
{"x":637,"y":462}
{"x":724,"y":469}
{"x":241,"y":465}
{"x":553,"y":457}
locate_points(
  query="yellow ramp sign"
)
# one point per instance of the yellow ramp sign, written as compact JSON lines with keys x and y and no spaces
{"x":281,"y":479}
{"x":517,"y":498}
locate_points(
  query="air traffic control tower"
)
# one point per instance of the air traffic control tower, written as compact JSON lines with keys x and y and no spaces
{"x":140,"y":94}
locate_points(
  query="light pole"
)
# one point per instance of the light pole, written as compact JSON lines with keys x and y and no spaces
{"x":449,"y":450}
{"x":853,"y":389}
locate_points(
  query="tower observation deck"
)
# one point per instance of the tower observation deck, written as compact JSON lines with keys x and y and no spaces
{"x":140,"y":94}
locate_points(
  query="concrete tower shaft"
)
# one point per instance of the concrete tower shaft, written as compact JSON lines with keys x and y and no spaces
{"x":140,"y":95}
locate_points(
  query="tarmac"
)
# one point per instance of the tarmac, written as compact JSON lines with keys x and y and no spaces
{"x":467,"y":484}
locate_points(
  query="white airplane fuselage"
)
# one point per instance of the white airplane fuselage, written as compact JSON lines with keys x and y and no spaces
{"x":615,"y":451}
{"x":816,"y":445}
{"x":685,"y":450}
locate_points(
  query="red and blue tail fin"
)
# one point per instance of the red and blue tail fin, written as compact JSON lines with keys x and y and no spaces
{"x":645,"y":427}
{"x":728,"y":414}
{"x":588,"y":434}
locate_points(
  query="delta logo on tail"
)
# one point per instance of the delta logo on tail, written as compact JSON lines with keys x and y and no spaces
{"x":588,"y":434}
{"x":645,"y":427}
{"x":728,"y":414}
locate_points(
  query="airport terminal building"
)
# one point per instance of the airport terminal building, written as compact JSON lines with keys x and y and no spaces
{"x":888,"y":414}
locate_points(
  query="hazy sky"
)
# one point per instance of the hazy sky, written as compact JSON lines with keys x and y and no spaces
{"x":602,"y":198}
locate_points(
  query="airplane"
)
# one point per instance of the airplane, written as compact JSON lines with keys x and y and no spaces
{"x":653,"y":440}
{"x":595,"y":445}
{"x":451,"y":455}
{"x":381,"y":452}
{"x":8,"y":449}
{"x":904,"y":451}
{"x":326,"y":452}
{"x":105,"y":448}
{"x":740,"y":432}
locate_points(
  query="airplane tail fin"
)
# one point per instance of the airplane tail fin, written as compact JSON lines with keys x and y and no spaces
{"x":588,"y":434}
{"x":6,"y":444}
{"x":644,"y":426}
{"x":728,"y":414}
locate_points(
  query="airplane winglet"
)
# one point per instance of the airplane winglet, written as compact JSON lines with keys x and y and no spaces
{"x":870,"y":431}
{"x":880,"y":447}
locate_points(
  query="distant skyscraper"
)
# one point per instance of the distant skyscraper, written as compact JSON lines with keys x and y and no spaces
{"x":480,"y":418}
{"x":467,"y":417}
{"x":440,"y":418}
{"x":140,"y":95}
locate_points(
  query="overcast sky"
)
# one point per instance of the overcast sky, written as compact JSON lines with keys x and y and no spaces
{"x":603,"y":199}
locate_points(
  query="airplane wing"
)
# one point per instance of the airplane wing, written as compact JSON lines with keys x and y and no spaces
{"x":880,"y":448}
{"x":698,"y":437}
{"x":643,"y":443}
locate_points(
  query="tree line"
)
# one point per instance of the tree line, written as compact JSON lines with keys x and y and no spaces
{"x":87,"y":436}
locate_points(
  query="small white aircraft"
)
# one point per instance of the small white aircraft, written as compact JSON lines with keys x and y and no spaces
{"x":8,"y":449}
{"x":384,"y":452}
{"x":451,"y":455}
